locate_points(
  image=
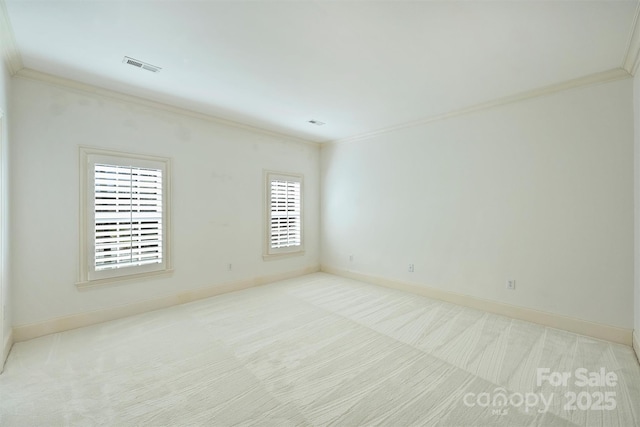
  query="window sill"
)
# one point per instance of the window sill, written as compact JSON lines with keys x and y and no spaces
{"x":88,"y":284}
{"x":273,"y":257}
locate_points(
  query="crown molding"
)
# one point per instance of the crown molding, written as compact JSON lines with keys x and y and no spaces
{"x":11,"y":54}
{"x":27,"y":73}
{"x":632,"y":54}
{"x":589,"y":80}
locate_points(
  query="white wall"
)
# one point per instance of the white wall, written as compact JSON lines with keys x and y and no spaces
{"x":217,"y":197}
{"x":540,"y":191}
{"x":5,"y":294}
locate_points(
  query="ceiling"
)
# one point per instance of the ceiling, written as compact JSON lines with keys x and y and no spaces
{"x":358,"y":66}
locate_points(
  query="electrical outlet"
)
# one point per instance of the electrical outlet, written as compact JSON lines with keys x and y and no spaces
{"x":410,"y":268}
{"x":511,"y":284}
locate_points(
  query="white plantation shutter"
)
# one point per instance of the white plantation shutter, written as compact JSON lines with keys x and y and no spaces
{"x":125,"y":216}
{"x":285,"y":213}
{"x":128,"y":216}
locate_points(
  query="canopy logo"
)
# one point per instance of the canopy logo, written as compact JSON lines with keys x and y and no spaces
{"x":500,"y":400}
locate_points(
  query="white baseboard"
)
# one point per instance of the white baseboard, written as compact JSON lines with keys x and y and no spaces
{"x":636,"y":343}
{"x":6,"y":348}
{"x":60,"y":324}
{"x":583,"y":327}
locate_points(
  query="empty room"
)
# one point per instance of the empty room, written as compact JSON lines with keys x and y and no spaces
{"x":319,"y":213}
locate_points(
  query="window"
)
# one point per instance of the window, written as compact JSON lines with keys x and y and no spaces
{"x":284,"y":214}
{"x":125,"y":216}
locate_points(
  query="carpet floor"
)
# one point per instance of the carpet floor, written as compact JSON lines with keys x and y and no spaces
{"x":319,"y":350}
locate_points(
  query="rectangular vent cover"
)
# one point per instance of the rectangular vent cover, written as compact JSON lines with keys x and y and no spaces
{"x":139,"y":64}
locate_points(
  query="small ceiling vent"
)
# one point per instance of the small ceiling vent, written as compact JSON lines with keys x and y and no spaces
{"x":139,"y":64}
{"x":316,"y":122}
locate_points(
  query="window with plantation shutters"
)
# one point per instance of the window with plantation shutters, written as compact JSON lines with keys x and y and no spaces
{"x":284,"y":209}
{"x":125,"y":216}
{"x":128,"y":216}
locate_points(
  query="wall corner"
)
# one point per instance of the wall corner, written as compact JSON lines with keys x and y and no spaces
{"x":6,"y":349}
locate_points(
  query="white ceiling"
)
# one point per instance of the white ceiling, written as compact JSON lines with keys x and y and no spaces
{"x":358,"y":66}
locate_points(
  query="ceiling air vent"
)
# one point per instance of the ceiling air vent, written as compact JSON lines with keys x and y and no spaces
{"x":316,"y":122}
{"x":139,"y":64}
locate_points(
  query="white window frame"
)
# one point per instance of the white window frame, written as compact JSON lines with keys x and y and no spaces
{"x":273,"y":253}
{"x":88,"y":276}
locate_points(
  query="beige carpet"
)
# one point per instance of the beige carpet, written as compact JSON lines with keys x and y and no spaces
{"x":316,"y":350}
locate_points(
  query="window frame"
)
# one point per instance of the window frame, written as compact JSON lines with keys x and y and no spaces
{"x":270,"y":253}
{"x":88,"y":276}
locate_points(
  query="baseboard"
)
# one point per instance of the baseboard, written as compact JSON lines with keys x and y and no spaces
{"x":60,"y":324}
{"x":6,"y":348}
{"x":583,"y":327}
{"x":636,"y":343}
